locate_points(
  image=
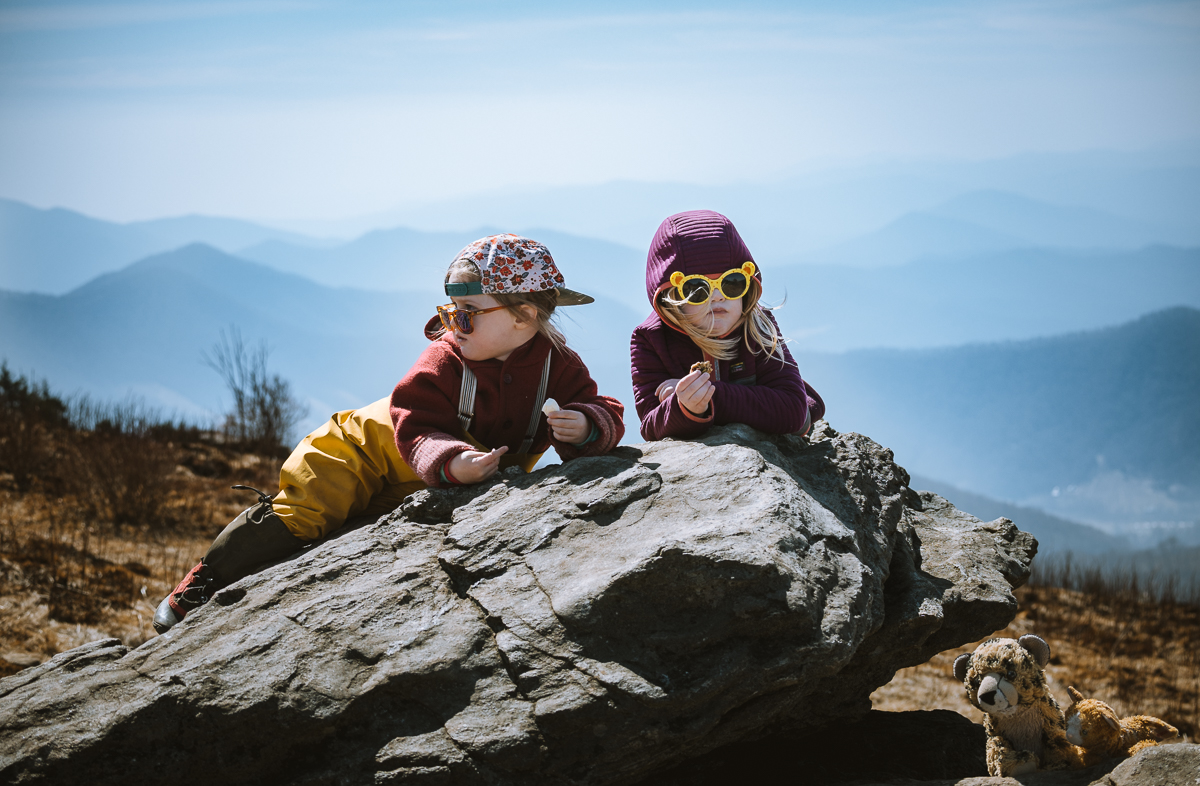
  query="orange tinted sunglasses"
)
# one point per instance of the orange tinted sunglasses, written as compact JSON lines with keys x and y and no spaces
{"x":460,"y":319}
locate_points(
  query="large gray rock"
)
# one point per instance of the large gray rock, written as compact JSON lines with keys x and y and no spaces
{"x":589,"y":623}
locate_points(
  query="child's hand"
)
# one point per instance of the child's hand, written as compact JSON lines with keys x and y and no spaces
{"x":666,"y":389}
{"x":473,"y":466}
{"x":569,"y":426}
{"x":694,"y":392}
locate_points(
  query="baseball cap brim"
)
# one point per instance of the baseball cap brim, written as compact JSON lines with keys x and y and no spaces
{"x":569,"y":297}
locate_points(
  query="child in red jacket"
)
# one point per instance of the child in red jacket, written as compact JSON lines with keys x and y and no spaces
{"x":471,"y":405}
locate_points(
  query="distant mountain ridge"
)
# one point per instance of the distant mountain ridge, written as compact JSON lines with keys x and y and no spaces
{"x":143,"y":330}
{"x":988,"y":222}
{"x":1054,"y":535}
{"x":882,"y":214}
{"x":54,"y":251}
{"x":1023,"y":421}
{"x":1099,"y":427}
{"x":1017,"y":294}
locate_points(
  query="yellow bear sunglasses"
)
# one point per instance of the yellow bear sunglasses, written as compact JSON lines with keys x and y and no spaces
{"x":698,"y":290}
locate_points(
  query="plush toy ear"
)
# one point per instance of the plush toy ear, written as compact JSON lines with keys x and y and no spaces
{"x":1075,"y":695}
{"x":1111,"y":721}
{"x":1037,"y":647}
{"x":961,"y":664}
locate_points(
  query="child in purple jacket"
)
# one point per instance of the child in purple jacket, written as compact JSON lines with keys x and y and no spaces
{"x":705,"y":288}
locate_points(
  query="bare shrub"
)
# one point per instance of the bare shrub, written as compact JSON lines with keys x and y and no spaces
{"x":265,"y":412}
{"x":1112,"y":580}
{"x":121,"y":467}
{"x":30,"y":415}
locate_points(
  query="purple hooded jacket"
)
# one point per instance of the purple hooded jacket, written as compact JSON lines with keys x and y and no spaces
{"x":753,"y":388}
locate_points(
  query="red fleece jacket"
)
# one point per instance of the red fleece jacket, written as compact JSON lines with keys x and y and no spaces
{"x":425,"y":404}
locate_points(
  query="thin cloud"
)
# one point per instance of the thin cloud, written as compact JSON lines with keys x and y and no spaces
{"x":80,"y":17}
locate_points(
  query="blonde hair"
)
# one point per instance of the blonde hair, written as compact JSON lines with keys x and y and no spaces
{"x":544,"y":301}
{"x":758,"y":331}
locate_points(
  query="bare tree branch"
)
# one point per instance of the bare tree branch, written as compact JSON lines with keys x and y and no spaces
{"x":264,"y":409}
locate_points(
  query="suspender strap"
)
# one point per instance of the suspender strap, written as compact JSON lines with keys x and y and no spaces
{"x":535,"y":417}
{"x":466,"y":403}
{"x":466,"y":398}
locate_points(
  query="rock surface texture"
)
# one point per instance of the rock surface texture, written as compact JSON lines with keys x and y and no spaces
{"x":1165,"y":765}
{"x":590,"y":623}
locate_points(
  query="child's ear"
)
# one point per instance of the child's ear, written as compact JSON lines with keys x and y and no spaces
{"x":530,"y":315}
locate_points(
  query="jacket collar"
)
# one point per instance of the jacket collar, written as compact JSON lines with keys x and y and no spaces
{"x":530,"y":354}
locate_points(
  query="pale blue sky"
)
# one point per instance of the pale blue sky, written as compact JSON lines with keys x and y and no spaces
{"x":282,"y":110}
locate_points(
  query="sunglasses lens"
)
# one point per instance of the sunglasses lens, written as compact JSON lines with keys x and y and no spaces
{"x":734,"y":285}
{"x":696,"y":290}
{"x":463,"y":318}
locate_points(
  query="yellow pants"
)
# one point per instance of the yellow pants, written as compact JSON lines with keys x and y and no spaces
{"x":350,"y":467}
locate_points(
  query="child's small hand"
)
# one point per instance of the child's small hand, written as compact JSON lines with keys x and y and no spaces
{"x":694,"y":392}
{"x":473,"y":466}
{"x":569,"y":426}
{"x":666,"y":389}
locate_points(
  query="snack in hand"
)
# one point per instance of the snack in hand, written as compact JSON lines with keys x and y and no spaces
{"x":550,"y":407}
{"x":704,"y":366}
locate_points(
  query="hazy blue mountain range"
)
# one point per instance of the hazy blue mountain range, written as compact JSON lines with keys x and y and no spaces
{"x":1055,"y":535}
{"x":959,"y":297}
{"x":1008,"y":295}
{"x":144,"y":329}
{"x":1157,"y":558}
{"x":985,"y":222}
{"x":54,"y":251}
{"x":1012,"y":294}
{"x":1100,"y":427}
{"x":1107,"y":418}
{"x":392,"y":259}
{"x":870,"y":214}
{"x":807,"y":210}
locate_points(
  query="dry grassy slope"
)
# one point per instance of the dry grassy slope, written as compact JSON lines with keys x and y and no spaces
{"x":67,"y":578}
{"x":1139,"y":657}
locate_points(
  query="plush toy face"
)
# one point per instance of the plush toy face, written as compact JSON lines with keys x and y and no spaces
{"x":1001,"y":675}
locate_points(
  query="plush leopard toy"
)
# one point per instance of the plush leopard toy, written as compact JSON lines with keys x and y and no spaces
{"x":1026,"y":730}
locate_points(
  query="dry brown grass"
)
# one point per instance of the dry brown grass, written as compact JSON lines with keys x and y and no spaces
{"x":70,"y":574}
{"x":1138,"y":656}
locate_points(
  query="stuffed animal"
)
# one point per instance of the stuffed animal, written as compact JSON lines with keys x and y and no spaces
{"x":1094,"y":726}
{"x":1026,"y":730}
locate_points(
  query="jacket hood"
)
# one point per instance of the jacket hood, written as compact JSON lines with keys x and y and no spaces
{"x":698,"y":242}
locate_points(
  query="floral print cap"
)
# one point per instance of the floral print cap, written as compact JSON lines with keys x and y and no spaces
{"x":511,"y":264}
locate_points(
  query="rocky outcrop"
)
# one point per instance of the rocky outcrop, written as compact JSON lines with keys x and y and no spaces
{"x":590,"y":623}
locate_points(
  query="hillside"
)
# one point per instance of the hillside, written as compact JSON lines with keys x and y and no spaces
{"x":1054,"y":535}
{"x":54,"y":251}
{"x":393,"y":259}
{"x":144,"y":329}
{"x":964,"y":270}
{"x":990,"y":222}
{"x":1098,"y":426}
{"x":1021,"y":421}
{"x":1018,"y":294}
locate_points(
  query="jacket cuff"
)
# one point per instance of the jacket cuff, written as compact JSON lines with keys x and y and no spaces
{"x":602,"y":422}
{"x":431,"y":453}
{"x":712,"y":412}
